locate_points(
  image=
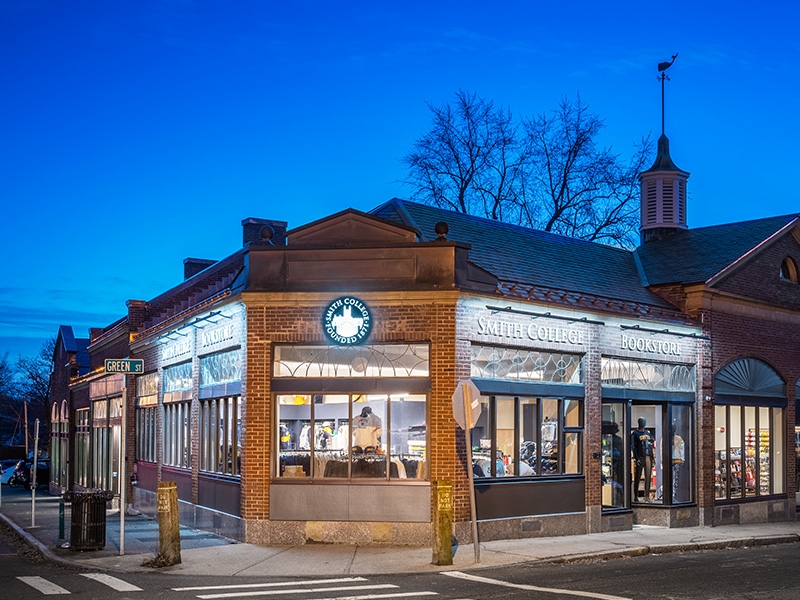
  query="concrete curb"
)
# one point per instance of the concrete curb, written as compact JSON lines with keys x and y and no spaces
{"x":600,"y":555}
{"x":43,"y":550}
{"x":669,"y":548}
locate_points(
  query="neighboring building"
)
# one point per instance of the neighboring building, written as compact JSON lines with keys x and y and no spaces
{"x":70,"y":361}
{"x":301,"y":389}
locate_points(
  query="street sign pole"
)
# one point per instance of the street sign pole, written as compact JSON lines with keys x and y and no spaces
{"x":122,"y":483}
{"x":468,"y":438}
{"x":126,"y":366}
{"x":34,"y":473}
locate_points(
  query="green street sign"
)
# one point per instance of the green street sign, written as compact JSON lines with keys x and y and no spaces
{"x":125,"y":365}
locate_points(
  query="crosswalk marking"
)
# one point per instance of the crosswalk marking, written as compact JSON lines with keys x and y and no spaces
{"x":265,"y":585}
{"x":112,"y":582}
{"x":44,"y":586}
{"x":381,"y":586}
{"x":531,"y":588}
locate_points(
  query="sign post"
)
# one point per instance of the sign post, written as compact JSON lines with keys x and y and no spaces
{"x":126,"y":366}
{"x":34,"y":472}
{"x":466,"y":410}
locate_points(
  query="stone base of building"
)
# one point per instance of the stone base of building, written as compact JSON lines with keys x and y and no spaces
{"x":524,"y":527}
{"x":192,"y":515}
{"x":667,"y":516}
{"x":766,"y":511}
{"x":622,"y":521}
{"x":293,"y":533}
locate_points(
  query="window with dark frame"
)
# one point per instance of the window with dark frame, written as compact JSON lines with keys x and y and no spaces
{"x":519,"y":436}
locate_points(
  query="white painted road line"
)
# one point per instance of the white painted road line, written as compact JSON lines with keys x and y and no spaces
{"x":307,"y":590}
{"x":380,"y":596}
{"x":43,"y":585}
{"x":530,"y":588}
{"x":112,"y":582}
{"x":265,"y":585}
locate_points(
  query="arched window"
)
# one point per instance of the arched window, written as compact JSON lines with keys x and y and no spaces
{"x":749,"y":431}
{"x":788,"y":270}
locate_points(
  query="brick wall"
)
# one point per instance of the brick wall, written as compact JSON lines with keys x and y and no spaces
{"x":297,"y":318}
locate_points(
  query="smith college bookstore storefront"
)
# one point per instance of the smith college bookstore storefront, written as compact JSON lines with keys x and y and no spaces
{"x":302,"y":389}
{"x":290,"y":415}
{"x":566,"y":401}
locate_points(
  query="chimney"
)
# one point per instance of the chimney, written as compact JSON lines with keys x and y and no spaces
{"x":192,"y":266}
{"x":263,"y":232}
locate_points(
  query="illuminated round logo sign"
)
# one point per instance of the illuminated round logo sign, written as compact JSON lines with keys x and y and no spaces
{"x":347,"y":321}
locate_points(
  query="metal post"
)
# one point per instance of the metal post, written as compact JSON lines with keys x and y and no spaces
{"x":122,"y":479}
{"x":467,"y":433}
{"x":61,"y":517}
{"x":34,"y":470}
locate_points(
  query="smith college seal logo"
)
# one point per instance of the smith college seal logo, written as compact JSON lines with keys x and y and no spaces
{"x":347,"y":321}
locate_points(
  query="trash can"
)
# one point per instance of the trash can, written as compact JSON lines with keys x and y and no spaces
{"x":88,"y":519}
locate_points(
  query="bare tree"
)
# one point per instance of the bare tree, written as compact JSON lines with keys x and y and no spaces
{"x":33,"y":380}
{"x":469,"y":160}
{"x":8,"y":401}
{"x":546,"y":172}
{"x":573,"y":186}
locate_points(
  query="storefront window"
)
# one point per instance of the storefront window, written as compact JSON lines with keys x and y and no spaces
{"x":748,"y":451}
{"x":749,"y":426}
{"x":82,"y":447}
{"x":614,"y":455}
{"x":176,"y":431}
{"x":681,"y":453}
{"x":146,"y":414}
{"x":177,"y":434}
{"x":352,"y":436}
{"x":519,"y":437}
{"x":220,"y":435}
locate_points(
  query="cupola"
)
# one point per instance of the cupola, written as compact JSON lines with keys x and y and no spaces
{"x":663,"y":186}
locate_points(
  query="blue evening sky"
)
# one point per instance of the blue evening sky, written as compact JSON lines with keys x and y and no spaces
{"x":136,"y":134}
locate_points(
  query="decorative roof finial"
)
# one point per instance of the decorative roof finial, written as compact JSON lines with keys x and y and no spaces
{"x":662,"y":67}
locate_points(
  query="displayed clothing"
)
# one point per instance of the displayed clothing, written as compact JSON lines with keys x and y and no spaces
{"x":367,"y":429}
{"x":644,"y":455}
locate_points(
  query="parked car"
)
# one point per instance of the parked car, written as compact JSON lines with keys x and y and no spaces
{"x":7,"y":469}
{"x":23,"y":470}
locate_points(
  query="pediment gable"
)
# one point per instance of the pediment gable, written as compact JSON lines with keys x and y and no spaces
{"x":351,"y":228}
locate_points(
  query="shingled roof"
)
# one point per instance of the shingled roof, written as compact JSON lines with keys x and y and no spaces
{"x":528,"y":256}
{"x":697,"y":255}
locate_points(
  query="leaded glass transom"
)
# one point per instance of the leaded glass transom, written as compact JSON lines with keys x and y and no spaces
{"x":525,"y":365}
{"x":147,"y":389}
{"x":222,"y":367}
{"x":642,"y":375}
{"x":382,"y":360}
{"x":178,"y":378}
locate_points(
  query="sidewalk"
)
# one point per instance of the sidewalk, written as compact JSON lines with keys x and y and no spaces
{"x":207,"y":554}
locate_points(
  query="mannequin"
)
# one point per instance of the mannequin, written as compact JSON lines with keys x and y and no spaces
{"x":678,"y":458}
{"x":643,"y":454}
{"x":367,"y":429}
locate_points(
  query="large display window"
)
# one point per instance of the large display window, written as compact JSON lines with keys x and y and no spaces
{"x":661,"y":446}
{"x":527,"y":436}
{"x":647,"y":443}
{"x":748,"y":446}
{"x":352,"y":436}
{"x":749,"y":431}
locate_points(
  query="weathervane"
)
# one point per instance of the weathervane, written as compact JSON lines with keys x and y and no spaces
{"x":662,"y":68}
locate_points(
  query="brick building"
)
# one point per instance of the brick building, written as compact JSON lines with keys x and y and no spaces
{"x":302,"y":388}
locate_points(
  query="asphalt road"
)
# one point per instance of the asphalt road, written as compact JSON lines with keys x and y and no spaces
{"x":745,"y":573}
